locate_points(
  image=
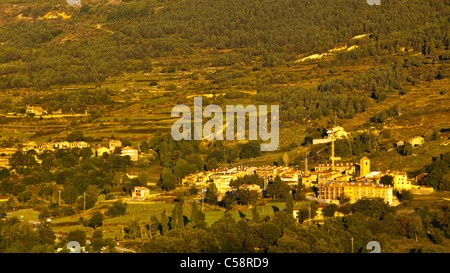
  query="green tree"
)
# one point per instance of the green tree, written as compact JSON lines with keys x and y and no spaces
{"x":445,"y":183}
{"x":406,"y":196}
{"x":68,"y":160}
{"x":387,"y":180}
{"x":410,"y":226}
{"x":375,"y":208}
{"x":183,"y":168}
{"x":194,"y":214}
{"x":255,"y":214}
{"x":118,"y":208}
{"x":197,"y":216}
{"x":46,"y":235}
{"x":250,"y":149}
{"x":168,"y":180}
{"x":69,"y":194}
{"x":278,"y":188}
{"x":267,"y":234}
{"x":177,"y":214}
{"x":77,"y":236}
{"x":289,"y":204}
{"x":246,"y":196}
{"x":230,"y":237}
{"x":96,"y":220}
{"x":299,"y":195}
{"x":330,"y":210}
{"x":4,"y":173}
{"x":211,"y":164}
{"x":133,"y":230}
{"x":212,"y":194}
{"x":75,"y":136}
{"x":44,"y":214}
{"x":97,"y":241}
{"x":152,"y":227}
{"x":164,"y":223}
{"x":406,"y":149}
{"x":86,"y":201}
{"x":86,"y":153}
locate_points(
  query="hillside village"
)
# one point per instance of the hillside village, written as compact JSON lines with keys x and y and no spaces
{"x":355,"y":180}
{"x":98,"y":150}
{"x":332,"y":180}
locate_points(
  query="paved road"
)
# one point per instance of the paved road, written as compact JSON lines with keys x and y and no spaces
{"x":311,"y":198}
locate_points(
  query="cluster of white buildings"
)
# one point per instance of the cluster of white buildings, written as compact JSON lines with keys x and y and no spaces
{"x":132,"y":152}
{"x":222,"y":177}
{"x":6,"y":153}
{"x":353,"y":180}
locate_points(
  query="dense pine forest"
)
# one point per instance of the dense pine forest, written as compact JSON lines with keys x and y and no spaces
{"x":269,"y":33}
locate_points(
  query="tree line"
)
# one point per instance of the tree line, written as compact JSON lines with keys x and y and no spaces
{"x":363,"y":221}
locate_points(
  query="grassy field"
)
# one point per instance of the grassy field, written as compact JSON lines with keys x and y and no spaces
{"x":142,"y":212}
{"x":28,"y":215}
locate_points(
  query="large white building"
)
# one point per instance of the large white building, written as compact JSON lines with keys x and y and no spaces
{"x":130,"y":151}
{"x":332,"y":191}
{"x":140,"y":192}
{"x":38,"y":111}
{"x":79,"y":144}
{"x":61,"y":145}
{"x":336,"y":132}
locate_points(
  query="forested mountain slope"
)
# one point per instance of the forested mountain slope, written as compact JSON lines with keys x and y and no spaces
{"x":390,"y":66}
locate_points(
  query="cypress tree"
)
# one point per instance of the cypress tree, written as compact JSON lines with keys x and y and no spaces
{"x":289,"y":204}
{"x":164,"y":223}
{"x":255,"y":214}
